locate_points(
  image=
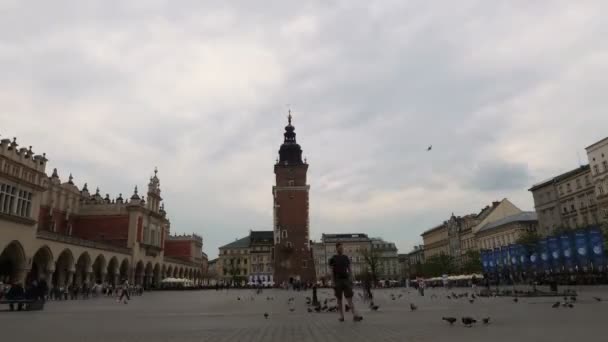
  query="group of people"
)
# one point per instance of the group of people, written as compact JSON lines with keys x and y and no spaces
{"x":40,"y":291}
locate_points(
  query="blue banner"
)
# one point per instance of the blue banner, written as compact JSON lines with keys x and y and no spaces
{"x":554,"y":252}
{"x":567,"y":254}
{"x":522,"y":254}
{"x":504,"y":257}
{"x":545,"y":257}
{"x":484,"y":261}
{"x":596,"y":244}
{"x":513,"y":257}
{"x":582,"y":250}
{"x":535,"y":259}
{"x":493,"y":260}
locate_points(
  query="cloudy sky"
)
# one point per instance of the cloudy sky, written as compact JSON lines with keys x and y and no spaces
{"x":507,"y":92}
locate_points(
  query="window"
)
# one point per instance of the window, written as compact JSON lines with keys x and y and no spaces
{"x":7,"y":198}
{"x":288,"y":244}
{"x":291,"y":182}
{"x":245,"y":261}
{"x":284,"y":233}
{"x":600,"y":189}
{"x":24,"y":203}
{"x":304,"y":264}
{"x":578,"y":183}
{"x":587,"y":181}
{"x":596,"y":169}
{"x":568,"y":187}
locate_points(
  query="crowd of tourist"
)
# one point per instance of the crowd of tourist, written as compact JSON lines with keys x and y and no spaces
{"x":40,"y":291}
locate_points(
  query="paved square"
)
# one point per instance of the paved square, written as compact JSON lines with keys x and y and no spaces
{"x":219,"y":316}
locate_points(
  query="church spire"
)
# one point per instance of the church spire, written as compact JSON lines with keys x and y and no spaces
{"x":290,"y":152}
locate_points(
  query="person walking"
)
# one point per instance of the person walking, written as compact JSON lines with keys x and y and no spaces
{"x":125,"y":292}
{"x":343,"y":286}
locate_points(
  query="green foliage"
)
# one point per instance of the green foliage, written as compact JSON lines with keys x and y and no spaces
{"x":472,"y":262}
{"x":438,"y":265}
{"x":529,"y":239}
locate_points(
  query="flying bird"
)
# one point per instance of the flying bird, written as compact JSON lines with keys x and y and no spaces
{"x":429,"y":148}
{"x":597,"y":299}
{"x":450,"y":320}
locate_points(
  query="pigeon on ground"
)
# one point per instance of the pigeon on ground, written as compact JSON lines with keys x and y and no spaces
{"x":597,"y":299}
{"x":413,"y":307}
{"x":449,"y":297}
{"x":570,"y":305}
{"x":238,"y":298}
{"x":318,"y":309}
{"x":400,"y":295}
{"x":471,"y":301}
{"x":556,"y":305}
{"x":309,"y":310}
{"x":473,"y":296}
{"x":450,"y":320}
{"x":292,"y":309}
{"x":346,"y":308}
{"x":468,"y":321}
{"x":266,"y":315}
{"x":375,"y":307}
{"x":572,"y":299}
{"x":515,"y":300}
{"x":486,"y":320}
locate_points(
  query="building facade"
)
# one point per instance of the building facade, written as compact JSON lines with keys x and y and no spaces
{"x":388,"y":259}
{"x":416,"y":258}
{"x":506,"y":231}
{"x":247,"y":260}
{"x":566,"y":201}
{"x":292,"y":251}
{"x":597,"y":154}
{"x":436,"y":241}
{"x":56,"y":231}
{"x":355,"y":247}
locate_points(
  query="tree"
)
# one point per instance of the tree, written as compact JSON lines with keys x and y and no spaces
{"x":372,"y":260}
{"x":528,"y":239}
{"x":472,"y":262}
{"x":438,"y":265}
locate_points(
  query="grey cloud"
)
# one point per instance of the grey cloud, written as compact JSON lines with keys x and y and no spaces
{"x":500,"y":176}
{"x":201,"y":91}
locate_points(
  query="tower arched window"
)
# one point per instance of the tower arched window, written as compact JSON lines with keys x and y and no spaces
{"x":284,"y":233}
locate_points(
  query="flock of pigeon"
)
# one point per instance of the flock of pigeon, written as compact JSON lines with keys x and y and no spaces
{"x":330,"y":305}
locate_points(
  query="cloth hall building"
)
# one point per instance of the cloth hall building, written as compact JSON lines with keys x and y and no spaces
{"x":68,"y":235}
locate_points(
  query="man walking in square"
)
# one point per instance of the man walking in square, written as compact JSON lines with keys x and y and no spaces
{"x":343,"y":285}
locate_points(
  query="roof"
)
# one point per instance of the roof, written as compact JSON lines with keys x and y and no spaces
{"x":524,"y":216}
{"x":580,"y":169}
{"x":240,"y":243}
{"x":596,"y":143}
{"x":434,"y":229}
{"x":344,"y":237}
{"x":261,"y":236}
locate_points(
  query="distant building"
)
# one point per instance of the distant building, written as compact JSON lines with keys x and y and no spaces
{"x":404,"y":266}
{"x":507,"y":230}
{"x":436,"y":241}
{"x":597,"y":154}
{"x":355,"y":245}
{"x":416,"y":260}
{"x":388,"y":261}
{"x":565,"y":201}
{"x":248,"y":259}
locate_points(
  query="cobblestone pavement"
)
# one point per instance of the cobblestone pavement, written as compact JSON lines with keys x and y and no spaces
{"x":219,"y":316}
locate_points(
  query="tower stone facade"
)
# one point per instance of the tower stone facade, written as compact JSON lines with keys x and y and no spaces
{"x":292,"y":253}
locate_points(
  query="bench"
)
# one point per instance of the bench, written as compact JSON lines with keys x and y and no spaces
{"x":28,"y":304}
